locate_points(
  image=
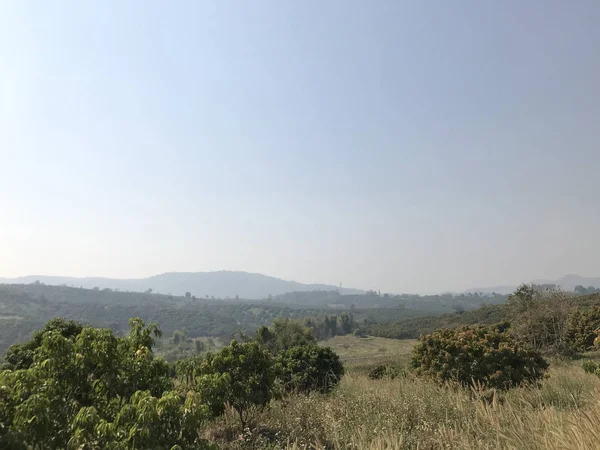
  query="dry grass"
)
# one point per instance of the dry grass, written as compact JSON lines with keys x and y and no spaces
{"x":409,"y":413}
{"x":352,"y":347}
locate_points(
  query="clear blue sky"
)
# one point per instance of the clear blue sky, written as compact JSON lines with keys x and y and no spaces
{"x":403,"y":146}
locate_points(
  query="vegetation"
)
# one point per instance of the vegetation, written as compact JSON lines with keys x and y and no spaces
{"x":485,"y":356}
{"x":312,"y":381}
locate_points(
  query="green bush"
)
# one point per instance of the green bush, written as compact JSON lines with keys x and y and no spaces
{"x":81,"y":387}
{"x":475,"y":354}
{"x":244,"y":372}
{"x":309,"y":368}
{"x":385,"y":371}
{"x":583,"y":328}
{"x":589,"y":366}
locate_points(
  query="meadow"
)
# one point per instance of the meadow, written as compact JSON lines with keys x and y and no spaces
{"x":562,"y":412}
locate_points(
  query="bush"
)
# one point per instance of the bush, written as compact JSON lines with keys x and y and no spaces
{"x":309,"y":368}
{"x":583,"y":328}
{"x":386,"y":371}
{"x":540,"y":318}
{"x":589,"y":366}
{"x":475,"y":354}
{"x":245,"y":372}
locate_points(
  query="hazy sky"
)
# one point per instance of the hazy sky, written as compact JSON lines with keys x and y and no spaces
{"x":403,"y":146}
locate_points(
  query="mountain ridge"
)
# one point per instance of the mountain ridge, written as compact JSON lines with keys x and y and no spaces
{"x":222,"y":284}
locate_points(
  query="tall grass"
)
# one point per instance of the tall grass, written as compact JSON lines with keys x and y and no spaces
{"x":410,"y":413}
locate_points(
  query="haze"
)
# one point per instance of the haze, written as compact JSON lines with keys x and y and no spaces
{"x":400,"y":146}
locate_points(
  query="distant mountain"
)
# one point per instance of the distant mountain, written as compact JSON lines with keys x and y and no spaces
{"x":567,"y":283}
{"x":214,"y":284}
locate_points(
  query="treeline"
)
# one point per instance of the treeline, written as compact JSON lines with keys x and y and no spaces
{"x":573,"y":306}
{"x":432,"y":304}
{"x":25,"y":308}
{"x":415,"y":327}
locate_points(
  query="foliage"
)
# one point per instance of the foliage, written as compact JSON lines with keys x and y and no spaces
{"x":283,"y":335}
{"x":147,"y":422}
{"x":83,"y":387}
{"x":413,"y":328}
{"x":385,"y":371}
{"x":589,"y":366}
{"x":247,"y":374}
{"x":309,"y":368}
{"x":20,"y":356}
{"x":583,"y":328}
{"x":484,"y":355}
{"x":540,"y":317}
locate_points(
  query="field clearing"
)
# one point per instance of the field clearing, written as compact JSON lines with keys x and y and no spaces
{"x":351,"y":347}
{"x":411,"y":413}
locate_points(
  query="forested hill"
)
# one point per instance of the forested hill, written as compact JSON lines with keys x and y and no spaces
{"x":26,"y":307}
{"x":413,"y":328}
{"x":221,"y":284}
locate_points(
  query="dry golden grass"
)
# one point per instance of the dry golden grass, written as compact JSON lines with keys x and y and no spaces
{"x":411,"y":413}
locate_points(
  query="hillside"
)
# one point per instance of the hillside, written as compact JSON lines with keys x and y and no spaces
{"x":221,"y":284}
{"x":412,"y":328}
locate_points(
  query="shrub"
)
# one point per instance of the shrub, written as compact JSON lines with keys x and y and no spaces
{"x":475,"y":354}
{"x":589,"y":366}
{"x":583,"y":328}
{"x":386,"y":371}
{"x":247,"y":371}
{"x":540,"y":318}
{"x":283,"y":335}
{"x":309,"y":368}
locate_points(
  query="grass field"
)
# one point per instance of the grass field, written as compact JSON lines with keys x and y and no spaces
{"x":562,"y":413}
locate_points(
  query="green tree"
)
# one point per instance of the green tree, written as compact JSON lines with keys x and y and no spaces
{"x":309,"y":368}
{"x":485,"y":355}
{"x":283,"y":334}
{"x":248,"y":372}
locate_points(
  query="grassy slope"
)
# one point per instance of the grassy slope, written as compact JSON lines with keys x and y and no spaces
{"x":412,"y":413}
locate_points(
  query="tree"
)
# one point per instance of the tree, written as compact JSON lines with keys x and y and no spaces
{"x":20,"y":356}
{"x":282,"y":335}
{"x":347,"y":324}
{"x":309,"y":368}
{"x":584,"y":326}
{"x":540,"y":317}
{"x":248,"y":374}
{"x":580,"y":290}
{"x":188,"y":295}
{"x":84,"y":387}
{"x":147,"y":422}
{"x":475,"y":354}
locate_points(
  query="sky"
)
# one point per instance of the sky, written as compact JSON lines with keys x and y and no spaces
{"x":399,"y":146}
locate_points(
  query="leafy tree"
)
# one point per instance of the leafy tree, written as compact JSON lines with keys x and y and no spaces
{"x":309,"y":368}
{"x":584,"y":327}
{"x":485,"y":355}
{"x":248,"y":373}
{"x":147,"y":422}
{"x":68,"y":391}
{"x":282,"y":335}
{"x":347,"y":324}
{"x":20,"y":356}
